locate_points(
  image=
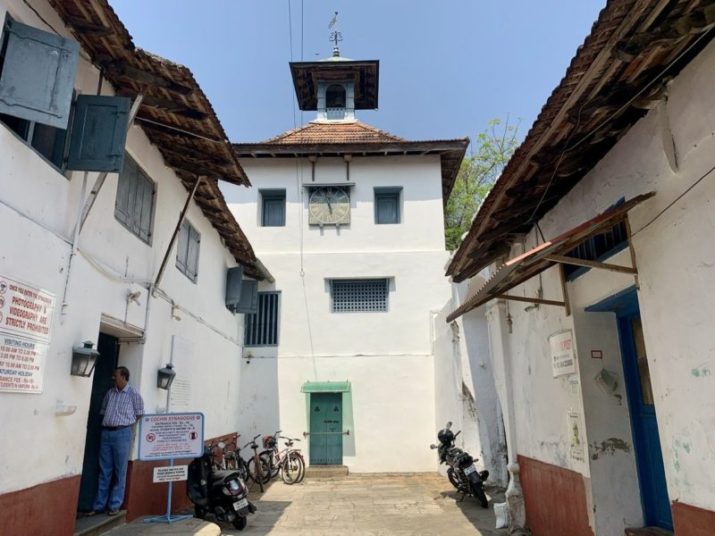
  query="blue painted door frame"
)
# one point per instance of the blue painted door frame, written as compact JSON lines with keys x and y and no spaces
{"x":326,"y":429}
{"x":644,"y":423}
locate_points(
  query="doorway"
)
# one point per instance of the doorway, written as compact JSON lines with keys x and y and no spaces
{"x":326,"y":429}
{"x":108,"y":348}
{"x":644,"y":423}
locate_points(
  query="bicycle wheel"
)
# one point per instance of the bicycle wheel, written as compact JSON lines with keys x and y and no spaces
{"x":259,"y":475}
{"x":292,"y":468}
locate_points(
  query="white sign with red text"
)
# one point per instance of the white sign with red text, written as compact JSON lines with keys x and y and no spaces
{"x":165,"y":436}
{"x":25,"y":332}
{"x":563,"y":358}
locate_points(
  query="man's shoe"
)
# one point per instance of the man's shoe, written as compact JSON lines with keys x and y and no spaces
{"x":91,"y":513}
{"x":112,"y":512}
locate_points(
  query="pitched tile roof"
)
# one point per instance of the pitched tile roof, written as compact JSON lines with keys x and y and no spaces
{"x":318,"y":132}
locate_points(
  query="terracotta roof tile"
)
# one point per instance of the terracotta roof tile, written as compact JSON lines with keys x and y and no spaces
{"x":315,"y":132}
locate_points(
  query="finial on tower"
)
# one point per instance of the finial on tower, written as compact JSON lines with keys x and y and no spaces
{"x":335,"y":36}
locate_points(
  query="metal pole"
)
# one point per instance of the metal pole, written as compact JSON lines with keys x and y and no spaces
{"x":168,"y":498}
{"x":176,"y":231}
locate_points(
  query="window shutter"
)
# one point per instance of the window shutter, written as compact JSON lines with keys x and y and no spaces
{"x":248,"y":304}
{"x":192,"y":261}
{"x":37,"y":75}
{"x":99,"y":133}
{"x":145,"y":187}
{"x":274,"y":212}
{"x":386,"y":209}
{"x":234,"y":278}
{"x":183,"y":247}
{"x":121,"y":210}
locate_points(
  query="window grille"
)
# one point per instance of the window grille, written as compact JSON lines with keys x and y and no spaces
{"x":187,"y":253}
{"x":359,"y":295}
{"x":134,"y":207}
{"x":261,"y":328}
{"x":598,"y":247}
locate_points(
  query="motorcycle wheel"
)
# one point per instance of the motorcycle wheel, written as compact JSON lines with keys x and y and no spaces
{"x":240,"y":522}
{"x":454,"y":480}
{"x":478,"y":491}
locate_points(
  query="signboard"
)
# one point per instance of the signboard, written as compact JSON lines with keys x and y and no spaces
{"x":171,"y":473}
{"x":576,"y":448}
{"x":166,"y":436}
{"x":25,"y":332}
{"x":563,"y":359}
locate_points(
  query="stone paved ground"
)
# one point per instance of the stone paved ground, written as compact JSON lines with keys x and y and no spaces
{"x":419,"y":504}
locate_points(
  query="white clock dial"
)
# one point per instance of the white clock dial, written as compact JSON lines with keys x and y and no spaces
{"x":329,"y":205}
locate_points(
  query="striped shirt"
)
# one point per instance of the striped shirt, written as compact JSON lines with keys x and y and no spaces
{"x":122,"y":408}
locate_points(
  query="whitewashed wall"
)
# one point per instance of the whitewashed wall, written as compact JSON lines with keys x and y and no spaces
{"x":38,"y":208}
{"x":675,"y":260}
{"x":387,"y":356}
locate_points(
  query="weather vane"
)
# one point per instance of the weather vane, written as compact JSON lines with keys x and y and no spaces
{"x":335,"y":36}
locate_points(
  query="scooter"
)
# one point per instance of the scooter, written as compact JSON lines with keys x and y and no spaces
{"x":461,"y":471}
{"x":221,"y":493}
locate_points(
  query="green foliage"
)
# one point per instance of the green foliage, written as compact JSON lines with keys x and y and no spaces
{"x":479,"y":171}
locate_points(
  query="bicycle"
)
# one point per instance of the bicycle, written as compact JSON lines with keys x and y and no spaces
{"x":256,"y":468}
{"x":289,"y":462}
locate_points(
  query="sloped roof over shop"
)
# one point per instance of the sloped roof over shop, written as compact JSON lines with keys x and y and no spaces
{"x":175,"y":114}
{"x":619,"y":72}
{"x":356,"y":139}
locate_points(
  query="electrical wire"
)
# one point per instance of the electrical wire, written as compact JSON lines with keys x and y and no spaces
{"x":638,"y":93}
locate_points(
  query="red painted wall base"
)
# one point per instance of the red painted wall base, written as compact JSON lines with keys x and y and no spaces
{"x":555,"y":499}
{"x":693,"y":521}
{"x":49,"y":508}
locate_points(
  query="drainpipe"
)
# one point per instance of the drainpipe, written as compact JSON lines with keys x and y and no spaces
{"x":501,"y":358}
{"x":176,"y":233}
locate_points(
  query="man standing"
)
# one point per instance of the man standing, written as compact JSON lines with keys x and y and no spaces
{"x":121,"y":408}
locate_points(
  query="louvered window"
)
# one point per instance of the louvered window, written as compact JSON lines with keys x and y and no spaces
{"x":135,"y":200}
{"x":273,"y":209}
{"x":187,"y":253}
{"x":387,"y":205}
{"x":261,"y":328}
{"x":359,"y":295}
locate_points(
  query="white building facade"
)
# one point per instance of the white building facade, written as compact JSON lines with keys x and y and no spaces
{"x":349,"y":221}
{"x":607,"y":390}
{"x":103,"y":284}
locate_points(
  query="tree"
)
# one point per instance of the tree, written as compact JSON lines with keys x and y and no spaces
{"x":478,"y":173}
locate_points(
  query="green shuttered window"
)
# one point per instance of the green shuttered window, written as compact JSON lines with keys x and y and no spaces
{"x":262,"y":326}
{"x":134,"y":207}
{"x":387,"y":205}
{"x":273,"y":208}
{"x":187,"y":253}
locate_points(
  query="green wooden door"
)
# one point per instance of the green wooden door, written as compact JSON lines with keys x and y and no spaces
{"x":326,"y":429}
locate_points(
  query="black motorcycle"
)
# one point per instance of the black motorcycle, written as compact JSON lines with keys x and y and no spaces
{"x":461,"y":470}
{"x":221,"y":493}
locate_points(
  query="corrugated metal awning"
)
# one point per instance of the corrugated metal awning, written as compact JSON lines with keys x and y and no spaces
{"x":538,"y":259}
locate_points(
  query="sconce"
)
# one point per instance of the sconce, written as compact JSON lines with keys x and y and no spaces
{"x":165,"y":376}
{"x":83,"y":359}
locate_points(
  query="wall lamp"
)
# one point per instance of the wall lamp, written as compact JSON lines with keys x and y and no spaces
{"x":165,"y":376}
{"x":83,"y":359}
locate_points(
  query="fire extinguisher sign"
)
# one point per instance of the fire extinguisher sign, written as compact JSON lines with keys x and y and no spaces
{"x":165,"y":436}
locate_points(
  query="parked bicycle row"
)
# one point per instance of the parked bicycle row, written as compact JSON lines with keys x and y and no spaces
{"x":217,"y":481}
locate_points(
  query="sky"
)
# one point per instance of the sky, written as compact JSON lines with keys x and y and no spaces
{"x":446,"y":66}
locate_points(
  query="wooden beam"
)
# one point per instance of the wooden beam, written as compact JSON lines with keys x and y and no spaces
{"x":564,"y":289}
{"x":563,"y":259}
{"x":121,"y":68}
{"x":87,"y":27}
{"x":540,"y":301}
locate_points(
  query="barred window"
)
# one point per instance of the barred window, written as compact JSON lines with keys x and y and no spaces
{"x":359,"y":295}
{"x":262,"y":326}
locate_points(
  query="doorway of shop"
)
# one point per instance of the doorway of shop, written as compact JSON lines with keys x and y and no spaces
{"x":326,"y":429}
{"x":644,"y":423}
{"x":108,"y":348}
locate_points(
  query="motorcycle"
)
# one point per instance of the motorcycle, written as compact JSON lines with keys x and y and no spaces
{"x":221,"y":493}
{"x":461,"y":471}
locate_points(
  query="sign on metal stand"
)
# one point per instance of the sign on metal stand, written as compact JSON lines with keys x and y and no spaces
{"x":167,"y":436}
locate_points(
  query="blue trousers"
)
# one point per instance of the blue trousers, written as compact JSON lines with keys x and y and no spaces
{"x":113,"y":459}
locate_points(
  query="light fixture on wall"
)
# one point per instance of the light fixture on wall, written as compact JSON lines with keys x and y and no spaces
{"x":165,"y":376}
{"x":83,"y":359}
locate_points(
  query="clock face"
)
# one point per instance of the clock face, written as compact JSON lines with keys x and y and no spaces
{"x":329,"y":205}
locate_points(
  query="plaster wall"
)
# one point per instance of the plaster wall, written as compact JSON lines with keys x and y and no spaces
{"x":675,"y":261}
{"x":420,"y":229}
{"x":38,"y":209}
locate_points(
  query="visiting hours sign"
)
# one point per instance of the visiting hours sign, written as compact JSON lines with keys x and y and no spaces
{"x":25,"y":331}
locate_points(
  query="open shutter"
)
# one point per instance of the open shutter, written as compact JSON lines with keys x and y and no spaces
{"x":234,"y":277}
{"x":99,"y":133}
{"x":192,"y":262}
{"x":145,"y":203}
{"x":248,"y":304}
{"x":183,"y":247}
{"x":122,"y":206}
{"x":37,"y":75}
